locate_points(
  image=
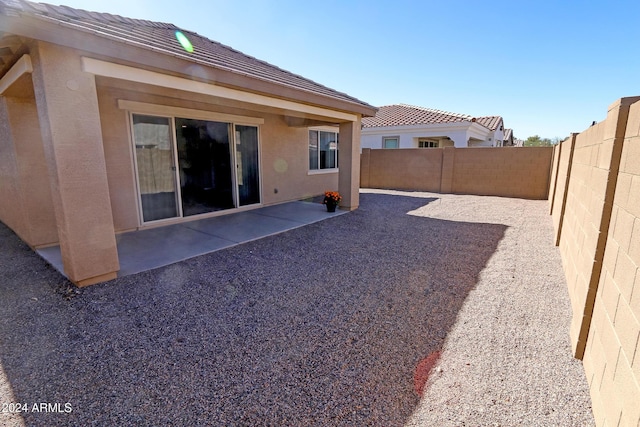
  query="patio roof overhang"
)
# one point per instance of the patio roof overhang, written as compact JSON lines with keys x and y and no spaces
{"x":18,"y":30}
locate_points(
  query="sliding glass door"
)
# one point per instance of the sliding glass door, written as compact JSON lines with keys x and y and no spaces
{"x":205,"y":161}
{"x":190,"y":171}
{"x":247,"y":175}
{"x":156,"y":167}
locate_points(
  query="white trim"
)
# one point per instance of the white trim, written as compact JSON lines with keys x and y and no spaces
{"x":334,"y":129}
{"x":20,"y":68}
{"x":323,"y":171}
{"x":124,"y":72}
{"x":384,"y":141}
{"x":176,"y":178}
{"x":242,"y":121}
{"x":318,"y":129}
{"x":166,"y":110}
{"x":134,"y":160}
{"x":235,"y":164}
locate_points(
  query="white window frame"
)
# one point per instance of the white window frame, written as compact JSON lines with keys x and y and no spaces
{"x":319,"y":129}
{"x":428,"y":143}
{"x":387,"y":138}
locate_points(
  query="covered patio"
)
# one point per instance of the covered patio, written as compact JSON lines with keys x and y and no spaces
{"x":101,"y":137}
{"x":147,"y":249}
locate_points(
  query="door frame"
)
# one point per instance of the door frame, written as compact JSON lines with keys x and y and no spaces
{"x":169,"y":112}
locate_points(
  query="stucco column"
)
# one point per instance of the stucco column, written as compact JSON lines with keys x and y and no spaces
{"x":69,"y":119}
{"x":349,"y":159}
{"x":460,"y":139}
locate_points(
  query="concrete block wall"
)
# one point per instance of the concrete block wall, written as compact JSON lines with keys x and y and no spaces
{"x":563,"y":156}
{"x":581,"y":223}
{"x":507,"y":172}
{"x":612,"y":359}
{"x":417,"y":169}
{"x":599,"y":239}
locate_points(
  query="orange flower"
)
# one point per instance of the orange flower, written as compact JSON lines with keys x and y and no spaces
{"x":331,"y":197}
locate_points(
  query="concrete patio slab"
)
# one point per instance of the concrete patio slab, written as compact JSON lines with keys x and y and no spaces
{"x":156,"y":247}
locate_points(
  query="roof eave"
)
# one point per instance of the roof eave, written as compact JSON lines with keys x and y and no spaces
{"x":449,"y":126}
{"x":94,"y":44}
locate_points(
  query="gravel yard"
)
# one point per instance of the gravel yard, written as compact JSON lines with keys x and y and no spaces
{"x":332,"y":324}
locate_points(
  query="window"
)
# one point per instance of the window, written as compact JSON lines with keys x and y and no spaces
{"x":390,"y":142}
{"x":427,"y":144}
{"x":323,"y":150}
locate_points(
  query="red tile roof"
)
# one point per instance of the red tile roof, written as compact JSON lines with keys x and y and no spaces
{"x":490,"y":122}
{"x":405,"y":115}
{"x":160,"y":37}
{"x":508,"y":133}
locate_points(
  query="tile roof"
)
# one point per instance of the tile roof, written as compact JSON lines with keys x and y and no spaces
{"x":508,"y":133}
{"x":407,"y":115}
{"x":490,"y":122}
{"x":160,"y":37}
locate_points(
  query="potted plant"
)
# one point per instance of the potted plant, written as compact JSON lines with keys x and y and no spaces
{"x":331,"y":199}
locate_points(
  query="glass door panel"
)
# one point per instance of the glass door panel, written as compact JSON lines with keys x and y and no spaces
{"x":247,"y":173}
{"x":156,"y":167}
{"x":204,"y":157}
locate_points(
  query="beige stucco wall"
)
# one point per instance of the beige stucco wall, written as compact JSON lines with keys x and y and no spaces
{"x":599,"y":240}
{"x":67,"y":162}
{"x":24,"y":185}
{"x":285,"y":164}
{"x":508,"y":172}
{"x":33,"y":171}
{"x":11,"y":210}
{"x":283,"y":149}
{"x":283,"y":157}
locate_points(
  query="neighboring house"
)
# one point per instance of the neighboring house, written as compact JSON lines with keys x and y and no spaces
{"x":407,"y":126}
{"x":508,"y":140}
{"x":110,"y":124}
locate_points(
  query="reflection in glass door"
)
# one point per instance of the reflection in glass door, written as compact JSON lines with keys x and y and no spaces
{"x":155,"y":164}
{"x":193,"y":174}
{"x":247,"y":173}
{"x":204,"y":157}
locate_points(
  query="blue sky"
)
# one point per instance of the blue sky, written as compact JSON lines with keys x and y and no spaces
{"x":547,"y":67}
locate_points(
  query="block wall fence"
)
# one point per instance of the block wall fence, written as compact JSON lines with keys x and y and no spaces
{"x":594,"y":199}
{"x":505,"y":171}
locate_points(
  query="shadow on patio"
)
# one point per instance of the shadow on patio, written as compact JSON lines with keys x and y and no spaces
{"x":321,"y":325}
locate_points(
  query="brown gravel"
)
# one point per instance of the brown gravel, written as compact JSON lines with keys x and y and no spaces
{"x":324,"y":325}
